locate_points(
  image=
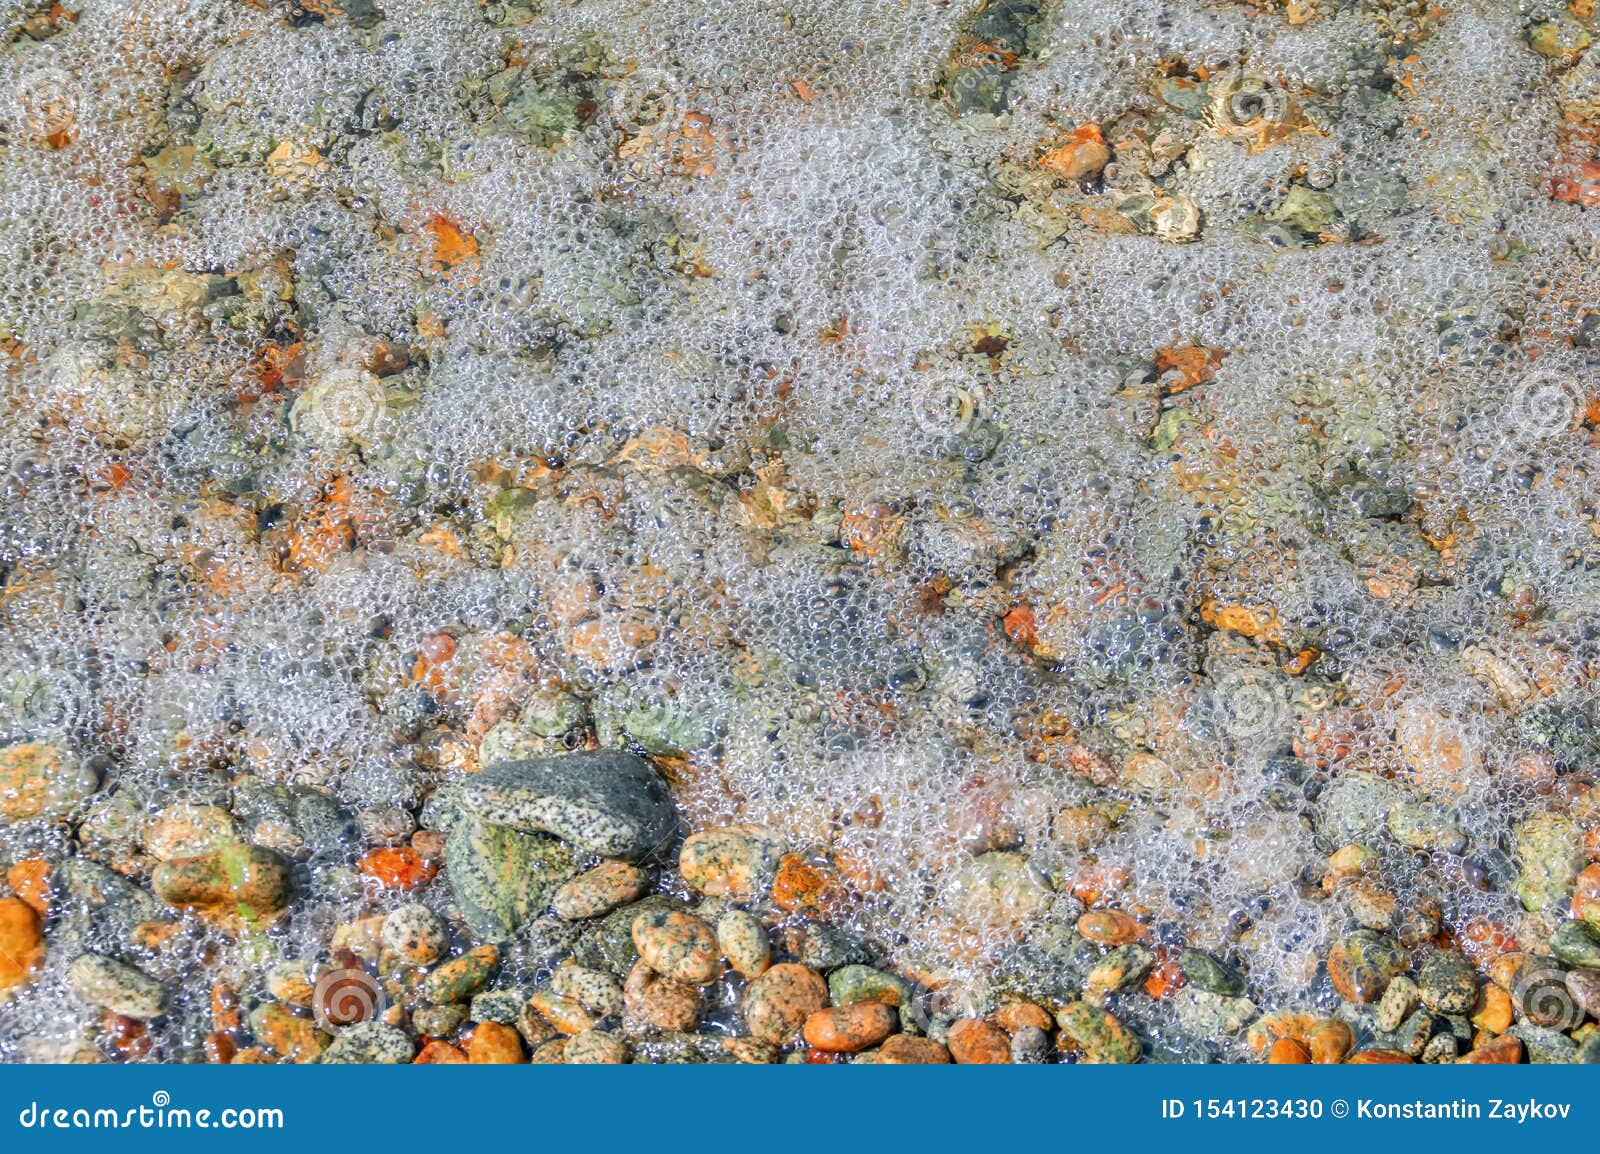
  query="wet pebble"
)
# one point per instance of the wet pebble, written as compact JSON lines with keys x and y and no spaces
{"x":596,"y":892}
{"x":678,"y":946}
{"x":415,"y":934}
{"x":116,"y":986}
{"x":777,"y":1004}
{"x":743,"y":941}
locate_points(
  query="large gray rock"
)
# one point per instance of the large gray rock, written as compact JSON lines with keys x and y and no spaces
{"x":600,"y":801}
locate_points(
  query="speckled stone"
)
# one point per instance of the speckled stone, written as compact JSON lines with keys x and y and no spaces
{"x":743,"y":941}
{"x":778,"y":1003}
{"x":501,"y":877}
{"x":459,"y":978}
{"x":415,"y":934}
{"x":1447,"y":982}
{"x":1098,"y":1035}
{"x":369,"y":1044}
{"x":595,"y":893}
{"x":116,"y":986}
{"x":600,"y":801}
{"x":736,"y":861}
{"x":595,"y":1048}
{"x":595,"y":990}
{"x":677,"y":946}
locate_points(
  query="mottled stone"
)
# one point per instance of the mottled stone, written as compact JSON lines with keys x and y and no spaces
{"x":596,"y":892}
{"x":737,"y":861}
{"x":600,"y":801}
{"x":501,"y":877}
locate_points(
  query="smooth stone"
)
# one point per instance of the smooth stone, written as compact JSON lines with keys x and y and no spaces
{"x":847,"y":1029}
{"x":369,"y":1044}
{"x":678,"y":946}
{"x":415,"y":934}
{"x":439,"y":1021}
{"x":21,"y":943}
{"x":596,"y":892}
{"x":498,"y":1006}
{"x":777,"y":1004}
{"x":608,"y":944}
{"x":1030,"y":1046}
{"x":242,"y":886}
{"x":1209,"y":973}
{"x":977,"y":1042}
{"x":187,"y":830}
{"x":1584,"y":986}
{"x":116,"y":986}
{"x":662,"y":1002}
{"x":595,"y":990}
{"x":1577,"y":944}
{"x":595,"y":1048}
{"x":600,"y":801}
{"x":460,"y":978}
{"x":1098,"y":1034}
{"x":1427,"y":827}
{"x":743,"y":941}
{"x":1447,"y":983}
{"x":40,"y":781}
{"x":850,"y":984}
{"x":1545,"y":1045}
{"x":1362,"y":964}
{"x":736,"y":861}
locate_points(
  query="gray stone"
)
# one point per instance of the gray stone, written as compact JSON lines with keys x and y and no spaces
{"x":369,"y":1044}
{"x":601,"y":801}
{"x":116,"y":986}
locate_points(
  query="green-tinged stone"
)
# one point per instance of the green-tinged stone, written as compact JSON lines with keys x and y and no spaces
{"x":850,"y":984}
{"x":1545,"y":1046}
{"x":609,"y":945}
{"x":500,"y":877}
{"x":240,"y":886}
{"x":1550,"y":853}
{"x":1427,"y":827}
{"x":460,"y":978}
{"x":116,"y":986}
{"x":1101,"y":1037}
{"x":1577,"y":944}
{"x":1207,"y":972}
{"x":369,"y":1044}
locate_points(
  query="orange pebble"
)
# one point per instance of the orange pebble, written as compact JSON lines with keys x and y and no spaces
{"x":494,"y":1045}
{"x":29,"y":879}
{"x":437,"y":1053}
{"x":1288,"y":1052}
{"x":397,"y":868}
{"x":1109,"y":927}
